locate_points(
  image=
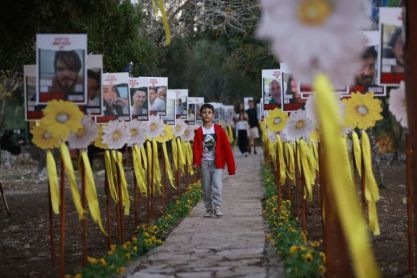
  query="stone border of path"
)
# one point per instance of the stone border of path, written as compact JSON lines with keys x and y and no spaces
{"x":231,"y":246}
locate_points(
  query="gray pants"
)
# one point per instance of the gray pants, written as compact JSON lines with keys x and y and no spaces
{"x":212,"y":184}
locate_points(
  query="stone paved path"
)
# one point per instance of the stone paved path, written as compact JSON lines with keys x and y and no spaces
{"x":230,"y":246}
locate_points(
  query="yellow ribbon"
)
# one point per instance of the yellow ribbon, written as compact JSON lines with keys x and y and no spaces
{"x":357,"y":152}
{"x":190,"y":157}
{"x":165,"y":22}
{"x":371,"y":188}
{"x":150,"y":169}
{"x":181,"y":161}
{"x":66,"y":159}
{"x":108,"y":162}
{"x":307,"y":171}
{"x":138,"y":170}
{"x":144,"y":158}
{"x":289,"y":151}
{"x":123,"y":182}
{"x":53,"y":181}
{"x":168,"y":165}
{"x":339,"y":180}
{"x":175,"y":154}
{"x":280,"y":160}
{"x":156,"y":172}
{"x":90,"y":191}
{"x":229,"y":133}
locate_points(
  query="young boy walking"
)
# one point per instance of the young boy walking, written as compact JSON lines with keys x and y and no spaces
{"x":211,"y":151}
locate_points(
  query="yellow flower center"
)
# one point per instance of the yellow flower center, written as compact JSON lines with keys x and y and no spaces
{"x":177,"y":128}
{"x":116,"y":135}
{"x":134,"y":132}
{"x":277,"y":120}
{"x":300,"y":124}
{"x":314,"y":12}
{"x":62,"y":118}
{"x":153,"y":126}
{"x":186,"y":132}
{"x":81,"y":132}
{"x":362,"y":109}
{"x":46,"y":135}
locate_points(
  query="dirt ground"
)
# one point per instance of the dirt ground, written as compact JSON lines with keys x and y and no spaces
{"x":25,"y":249}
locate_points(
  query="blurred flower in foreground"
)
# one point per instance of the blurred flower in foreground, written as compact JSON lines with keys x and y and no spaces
{"x":397,"y":105}
{"x":314,"y":36}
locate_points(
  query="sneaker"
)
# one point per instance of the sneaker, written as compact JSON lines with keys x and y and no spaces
{"x":218,"y":212}
{"x":208,"y":213}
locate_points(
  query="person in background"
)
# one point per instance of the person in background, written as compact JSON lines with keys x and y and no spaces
{"x":242,"y":133}
{"x":253,"y":125}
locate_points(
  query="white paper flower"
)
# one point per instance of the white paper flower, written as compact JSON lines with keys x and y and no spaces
{"x":314,"y":36}
{"x":154,"y":127}
{"x":188,"y":134}
{"x":115,"y":134}
{"x":85,"y":135}
{"x":397,"y":105}
{"x":179,"y":128}
{"x":298,"y":126}
{"x":272,"y":135}
{"x":310,"y":108}
{"x":137,"y":132}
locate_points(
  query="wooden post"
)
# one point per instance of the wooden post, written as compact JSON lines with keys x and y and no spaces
{"x":119,"y":203}
{"x":51,"y":226}
{"x":62,"y":222}
{"x":335,"y":247}
{"x":410,"y":55}
{"x":410,"y":224}
{"x":4,"y":200}
{"x":83,"y":221}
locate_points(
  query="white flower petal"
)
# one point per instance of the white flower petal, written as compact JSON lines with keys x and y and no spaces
{"x":88,"y":134}
{"x":116,"y":135}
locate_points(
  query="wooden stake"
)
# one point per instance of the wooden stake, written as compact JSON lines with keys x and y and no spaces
{"x":410,"y":56}
{"x":51,"y":226}
{"x":335,"y":248}
{"x":84,"y":220}
{"x":108,"y":214}
{"x":62,"y":222}
{"x":410,"y":201}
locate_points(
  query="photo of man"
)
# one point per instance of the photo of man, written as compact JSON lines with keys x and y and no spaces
{"x":61,"y":68}
{"x":116,"y":98}
{"x":391,"y":46}
{"x":33,"y":111}
{"x":271,"y":89}
{"x":156,"y":104}
{"x":139,"y":103}
{"x":94,"y":89}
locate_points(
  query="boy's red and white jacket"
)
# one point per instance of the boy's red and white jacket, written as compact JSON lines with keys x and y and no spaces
{"x":223,"y":150}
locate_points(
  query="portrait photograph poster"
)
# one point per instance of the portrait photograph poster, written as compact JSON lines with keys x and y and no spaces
{"x":33,"y":111}
{"x":94,"y":85}
{"x":366,"y":80}
{"x":139,"y":98}
{"x":217,"y":107}
{"x":116,"y":100}
{"x":228,"y":112}
{"x":392,"y":43}
{"x":157,"y":93}
{"x":293,"y":100}
{"x":194,"y":110}
{"x":61,"y":61}
{"x":181,"y":103}
{"x":271,"y":88}
{"x":169,"y":117}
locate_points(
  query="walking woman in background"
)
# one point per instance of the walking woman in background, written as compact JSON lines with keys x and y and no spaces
{"x":242,"y":133}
